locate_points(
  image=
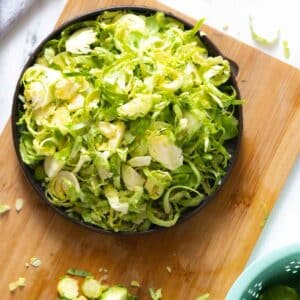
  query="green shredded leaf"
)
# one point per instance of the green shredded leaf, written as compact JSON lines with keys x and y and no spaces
{"x":78,"y":272}
{"x":286,"y":49}
{"x":260,"y":39}
{"x":197,"y":26}
{"x":155,"y":295}
{"x":126,"y":119}
{"x":4,"y":208}
{"x":135,"y":283}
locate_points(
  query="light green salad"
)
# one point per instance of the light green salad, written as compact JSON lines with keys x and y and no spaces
{"x":125,"y":120}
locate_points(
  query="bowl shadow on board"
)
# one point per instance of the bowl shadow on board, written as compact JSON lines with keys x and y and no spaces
{"x":232,"y":145}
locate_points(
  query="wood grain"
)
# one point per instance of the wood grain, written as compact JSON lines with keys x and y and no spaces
{"x":208,"y":252}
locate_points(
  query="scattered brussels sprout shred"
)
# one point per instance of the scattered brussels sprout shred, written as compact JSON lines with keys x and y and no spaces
{"x":155,"y":294}
{"x":19,"y":204}
{"x":260,"y":39}
{"x":286,"y":49}
{"x":19,"y":283}
{"x":77,"y":272}
{"x":35,"y":262}
{"x":135,"y":283}
{"x":4,"y":208}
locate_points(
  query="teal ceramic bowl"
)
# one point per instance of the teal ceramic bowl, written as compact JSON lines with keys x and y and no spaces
{"x":281,"y":266}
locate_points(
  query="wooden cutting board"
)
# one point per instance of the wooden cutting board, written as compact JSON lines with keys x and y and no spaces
{"x":208,"y":252}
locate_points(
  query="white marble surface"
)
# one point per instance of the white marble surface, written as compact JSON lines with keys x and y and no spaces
{"x":10,"y":11}
{"x":284,"y":221}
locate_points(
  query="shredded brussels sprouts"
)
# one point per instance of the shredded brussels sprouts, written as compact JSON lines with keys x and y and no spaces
{"x":78,"y":272}
{"x":261,"y":39}
{"x":155,"y":295}
{"x":125,"y":120}
{"x":4,"y":208}
{"x":286,"y":49}
{"x":19,"y":204}
{"x":19,"y":283}
{"x":36,"y":262}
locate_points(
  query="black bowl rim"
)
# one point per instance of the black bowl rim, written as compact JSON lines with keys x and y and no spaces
{"x":27,"y":171}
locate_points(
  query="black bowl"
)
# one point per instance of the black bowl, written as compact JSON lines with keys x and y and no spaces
{"x":232,"y":145}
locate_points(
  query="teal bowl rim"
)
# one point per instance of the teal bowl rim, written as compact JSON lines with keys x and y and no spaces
{"x":262,"y":263}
